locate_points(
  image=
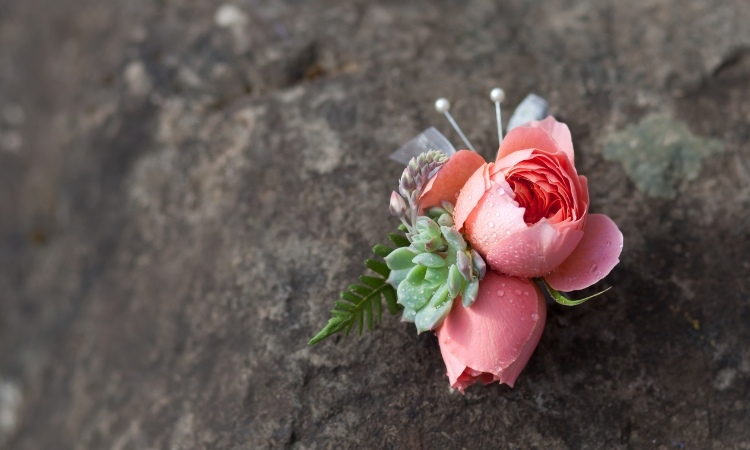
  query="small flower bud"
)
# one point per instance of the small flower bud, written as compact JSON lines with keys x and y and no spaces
{"x":397,"y":205}
{"x":478,"y":263}
{"x":464,"y":265}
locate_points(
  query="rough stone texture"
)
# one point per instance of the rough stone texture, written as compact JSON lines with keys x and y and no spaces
{"x":184,"y":189}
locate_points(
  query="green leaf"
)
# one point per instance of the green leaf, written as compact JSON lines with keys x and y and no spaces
{"x":390,"y":299}
{"x":341,"y":314}
{"x":400,"y":259}
{"x":429,"y":260}
{"x":382,"y":250}
{"x":455,"y":281}
{"x":378,"y":304}
{"x":359,"y":289}
{"x":415,"y":275}
{"x":346,"y":295}
{"x":344,"y":305}
{"x":332,"y":328}
{"x":559,"y":298}
{"x":469,"y":295}
{"x":398,"y":240}
{"x":368,"y":312}
{"x":415,"y":294}
{"x":373,"y":282}
{"x":378,"y":267}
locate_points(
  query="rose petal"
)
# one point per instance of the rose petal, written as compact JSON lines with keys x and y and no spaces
{"x":448,"y":181}
{"x":455,"y":368}
{"x":494,"y":217}
{"x":470,"y":194}
{"x":523,"y":138}
{"x":594,"y":257}
{"x":509,"y":375}
{"x":559,"y":132}
{"x":536,"y":250}
{"x":496,"y":335}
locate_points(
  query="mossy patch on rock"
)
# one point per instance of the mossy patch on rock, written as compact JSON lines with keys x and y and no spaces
{"x":659,"y":154}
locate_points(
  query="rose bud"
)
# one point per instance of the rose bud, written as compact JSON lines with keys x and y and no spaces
{"x":527,"y":213}
{"x":494,"y":338}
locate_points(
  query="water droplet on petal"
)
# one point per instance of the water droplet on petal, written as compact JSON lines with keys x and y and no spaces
{"x":526,"y":293}
{"x":507,"y":231}
{"x":593,"y":268}
{"x":535,"y":317}
{"x":609,"y":242}
{"x":500,"y":293}
{"x":491,"y":224}
{"x":518,"y":292}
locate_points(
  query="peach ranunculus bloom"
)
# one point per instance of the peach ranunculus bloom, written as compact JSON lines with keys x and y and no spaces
{"x":527,"y":215}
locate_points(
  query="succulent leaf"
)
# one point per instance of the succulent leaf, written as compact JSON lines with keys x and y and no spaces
{"x":435,"y":311}
{"x":437,"y":275}
{"x":415,"y":275}
{"x":415,"y":295}
{"x":445,"y":220}
{"x":429,"y":260}
{"x":400,"y":259}
{"x":470,"y":293}
{"x":455,"y":281}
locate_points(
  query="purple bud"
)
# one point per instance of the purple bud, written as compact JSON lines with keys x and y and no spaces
{"x":478,"y":262}
{"x":463,"y":263}
{"x":397,"y":205}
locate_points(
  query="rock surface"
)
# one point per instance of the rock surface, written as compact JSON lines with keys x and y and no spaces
{"x":186,"y":185}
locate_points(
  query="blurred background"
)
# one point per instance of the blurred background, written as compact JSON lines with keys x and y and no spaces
{"x":185,"y":186}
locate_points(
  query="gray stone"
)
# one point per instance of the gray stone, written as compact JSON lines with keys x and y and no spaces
{"x":184,"y":201}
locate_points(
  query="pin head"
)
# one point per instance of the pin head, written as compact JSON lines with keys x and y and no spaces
{"x":442,"y":105}
{"x":496,"y":95}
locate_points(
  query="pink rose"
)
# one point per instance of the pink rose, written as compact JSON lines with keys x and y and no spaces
{"x":494,"y":338}
{"x":527,"y":213}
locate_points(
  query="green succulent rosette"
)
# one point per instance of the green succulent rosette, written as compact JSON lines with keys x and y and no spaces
{"x":430,"y":267}
{"x":434,"y":270}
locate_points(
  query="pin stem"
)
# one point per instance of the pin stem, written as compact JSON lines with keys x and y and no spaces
{"x":497,"y":95}
{"x":499,"y":123}
{"x":458,"y":130}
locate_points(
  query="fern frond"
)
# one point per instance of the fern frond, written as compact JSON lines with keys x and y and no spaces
{"x":361,"y":304}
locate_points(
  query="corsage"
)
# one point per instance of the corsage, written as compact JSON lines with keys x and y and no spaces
{"x":480,"y":241}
